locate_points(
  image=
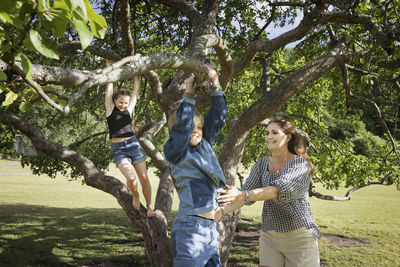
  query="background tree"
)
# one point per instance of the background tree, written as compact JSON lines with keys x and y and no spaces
{"x":339,"y":83}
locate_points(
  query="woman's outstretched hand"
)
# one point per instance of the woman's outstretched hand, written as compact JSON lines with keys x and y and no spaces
{"x":229,"y":194}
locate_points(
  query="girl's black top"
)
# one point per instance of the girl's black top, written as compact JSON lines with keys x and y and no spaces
{"x":120,"y":124}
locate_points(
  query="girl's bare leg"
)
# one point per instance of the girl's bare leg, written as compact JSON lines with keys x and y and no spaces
{"x":146,"y":186}
{"x":128,"y":171}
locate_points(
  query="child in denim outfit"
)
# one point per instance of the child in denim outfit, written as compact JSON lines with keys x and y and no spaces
{"x":125,"y":148}
{"x":197,"y":176}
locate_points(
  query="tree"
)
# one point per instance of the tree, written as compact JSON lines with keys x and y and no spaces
{"x":345,"y":65}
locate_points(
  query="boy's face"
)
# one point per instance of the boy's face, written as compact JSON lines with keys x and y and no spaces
{"x":197,"y":133}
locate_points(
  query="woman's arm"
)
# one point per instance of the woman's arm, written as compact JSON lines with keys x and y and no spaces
{"x":233,"y":195}
{"x":233,"y":199}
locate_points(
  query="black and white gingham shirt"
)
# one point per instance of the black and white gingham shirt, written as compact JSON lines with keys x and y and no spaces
{"x":291,"y":210}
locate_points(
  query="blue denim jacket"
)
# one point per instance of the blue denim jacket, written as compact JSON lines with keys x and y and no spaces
{"x":196,"y":170}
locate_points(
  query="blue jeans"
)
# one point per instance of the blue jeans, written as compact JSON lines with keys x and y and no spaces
{"x":195,"y":242}
{"x":129,"y":149}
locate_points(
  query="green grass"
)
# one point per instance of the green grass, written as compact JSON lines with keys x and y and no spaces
{"x":49,"y":222}
{"x":371,"y":219}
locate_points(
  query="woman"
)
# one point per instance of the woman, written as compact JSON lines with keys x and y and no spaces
{"x":288,"y":234}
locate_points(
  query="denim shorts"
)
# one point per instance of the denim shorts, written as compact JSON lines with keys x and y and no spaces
{"x":195,"y":242}
{"x":129,"y":149}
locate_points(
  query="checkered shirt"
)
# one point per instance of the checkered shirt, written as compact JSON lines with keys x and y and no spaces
{"x":291,"y":210}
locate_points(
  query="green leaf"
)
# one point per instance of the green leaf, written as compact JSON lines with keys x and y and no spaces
{"x":25,"y":106}
{"x":98,"y":23}
{"x":26,"y":10}
{"x":9,"y":11}
{"x":85,"y":35}
{"x":2,"y":88}
{"x":26,"y":65}
{"x":29,"y":94}
{"x":62,"y":5}
{"x":44,"y":46}
{"x":59,"y":26}
{"x":78,"y":8}
{"x":3,"y":76}
{"x":10,"y":98}
{"x":55,"y":20}
{"x":7,"y":5}
{"x":28,"y":44}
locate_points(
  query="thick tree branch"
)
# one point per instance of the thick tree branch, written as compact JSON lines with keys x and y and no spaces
{"x":150,"y":76}
{"x":208,"y":18}
{"x":126,"y":29}
{"x":185,"y":7}
{"x":124,"y":69}
{"x":309,"y":21}
{"x":206,"y":41}
{"x":292,"y":84}
{"x":313,"y":193}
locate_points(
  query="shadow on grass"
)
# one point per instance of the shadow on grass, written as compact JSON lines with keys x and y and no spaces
{"x":45,"y":236}
{"x":244,"y":250}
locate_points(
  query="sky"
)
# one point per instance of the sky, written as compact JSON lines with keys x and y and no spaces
{"x":276,"y":31}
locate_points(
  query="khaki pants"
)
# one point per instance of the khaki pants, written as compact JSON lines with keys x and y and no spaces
{"x":296,"y":248}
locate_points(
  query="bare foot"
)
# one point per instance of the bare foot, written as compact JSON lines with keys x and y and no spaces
{"x":150,"y":211}
{"x":136,"y":202}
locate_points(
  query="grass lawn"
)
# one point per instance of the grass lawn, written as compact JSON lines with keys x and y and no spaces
{"x":55,"y":222}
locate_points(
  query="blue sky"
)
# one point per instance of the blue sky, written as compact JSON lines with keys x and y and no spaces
{"x":276,"y":31}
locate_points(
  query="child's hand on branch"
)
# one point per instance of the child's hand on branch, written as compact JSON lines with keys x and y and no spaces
{"x":108,"y":62}
{"x":214,"y":78}
{"x":189,"y":84}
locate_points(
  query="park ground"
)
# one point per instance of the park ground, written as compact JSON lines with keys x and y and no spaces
{"x":56,"y":222}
